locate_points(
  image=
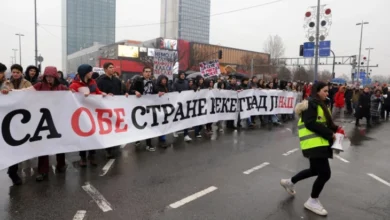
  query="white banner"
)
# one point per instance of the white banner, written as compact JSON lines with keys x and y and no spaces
{"x":35,"y":123}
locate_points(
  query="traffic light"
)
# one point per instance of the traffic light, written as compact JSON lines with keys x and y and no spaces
{"x":220,"y":54}
{"x":301,"y":50}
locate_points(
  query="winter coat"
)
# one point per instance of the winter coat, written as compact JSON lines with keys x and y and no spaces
{"x":339,"y":98}
{"x":159,"y":86}
{"x":24,"y":84}
{"x":376,"y":103}
{"x":386,"y":101}
{"x":180,"y":85}
{"x":197,"y":86}
{"x":139,"y":86}
{"x":348,"y":94}
{"x":306,"y":91}
{"x":364,"y":105}
{"x":63,"y":80}
{"x":355,"y":96}
{"x":44,"y":86}
{"x":307,"y":110}
{"x":34,"y":79}
{"x":111,"y":85}
{"x":234,"y":87}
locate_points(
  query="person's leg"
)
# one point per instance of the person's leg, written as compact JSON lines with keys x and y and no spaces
{"x":322,"y":168}
{"x":149,"y":146}
{"x":91,"y":157}
{"x":334,"y":112}
{"x":43,"y":168}
{"x":13,"y":174}
{"x":304,"y":174}
{"x":61,"y":164}
{"x":185,"y":132}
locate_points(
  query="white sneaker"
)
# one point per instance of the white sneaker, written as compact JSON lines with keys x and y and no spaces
{"x":288,"y":186}
{"x":221,"y":130}
{"x":315,"y":206}
{"x":187,"y":138}
{"x":175,"y":134}
{"x":199,"y":136}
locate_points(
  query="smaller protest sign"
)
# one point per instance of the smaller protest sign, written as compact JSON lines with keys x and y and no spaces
{"x":210,"y":68}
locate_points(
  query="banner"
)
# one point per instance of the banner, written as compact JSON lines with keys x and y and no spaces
{"x":210,"y":68}
{"x":164,"y":62}
{"x":62,"y":122}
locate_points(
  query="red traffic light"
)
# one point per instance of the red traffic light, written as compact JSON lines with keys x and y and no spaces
{"x":308,"y":14}
{"x":328,"y":11}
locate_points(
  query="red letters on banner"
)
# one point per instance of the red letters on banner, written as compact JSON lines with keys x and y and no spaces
{"x":285,"y":102}
{"x":104,"y":118}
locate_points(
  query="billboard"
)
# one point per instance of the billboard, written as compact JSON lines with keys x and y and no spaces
{"x":128,"y":51}
{"x":168,"y":44}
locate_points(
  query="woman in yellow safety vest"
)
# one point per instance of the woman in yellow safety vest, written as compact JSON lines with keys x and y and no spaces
{"x":316,"y":135}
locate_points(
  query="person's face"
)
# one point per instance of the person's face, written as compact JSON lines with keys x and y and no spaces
{"x":377,"y":93}
{"x":147,"y":73}
{"x":234,"y":81}
{"x":245,"y":82}
{"x":223,"y":86}
{"x":271,"y":85}
{"x":254,"y":80}
{"x":2,"y":74}
{"x":366,"y":90}
{"x":49,"y":79}
{"x":32,"y":72}
{"x":190,"y":83}
{"x":219,"y":80}
{"x":88,"y":76}
{"x":16,"y":74}
{"x":182,"y":76}
{"x":323,"y":93}
{"x":211,"y":83}
{"x":110,"y":70}
{"x":201,"y":81}
{"x":164,"y":81}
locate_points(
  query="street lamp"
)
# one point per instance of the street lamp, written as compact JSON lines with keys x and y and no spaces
{"x":360,"y":47}
{"x":20,"y":47}
{"x":368,"y":60}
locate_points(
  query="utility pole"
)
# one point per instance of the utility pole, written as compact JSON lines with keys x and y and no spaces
{"x":317,"y":40}
{"x":20,"y":47}
{"x":36,"y":33}
{"x":15,"y":53}
{"x":360,"y":47}
{"x":334,"y":63}
{"x":368,"y":59}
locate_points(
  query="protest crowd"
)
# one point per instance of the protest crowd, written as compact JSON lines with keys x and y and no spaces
{"x":372,"y":103}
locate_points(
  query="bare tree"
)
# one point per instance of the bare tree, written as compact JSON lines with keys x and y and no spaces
{"x":325,"y":76}
{"x":275,"y":47}
{"x":346,"y":77}
{"x":284,"y":73}
{"x":300,"y":74}
{"x":379,"y":78}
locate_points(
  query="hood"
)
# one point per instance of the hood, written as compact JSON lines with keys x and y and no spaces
{"x":27,"y":76}
{"x":51,"y":71}
{"x":160,"y":78}
{"x":303,"y":106}
{"x":62,"y":74}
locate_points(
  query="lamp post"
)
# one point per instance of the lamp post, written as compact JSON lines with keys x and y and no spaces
{"x":317,"y":40}
{"x":368,"y":59}
{"x":20,"y":47}
{"x":360,"y":47}
{"x":36,"y":33}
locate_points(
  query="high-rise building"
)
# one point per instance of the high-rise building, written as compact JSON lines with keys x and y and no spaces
{"x":86,"y":22}
{"x":186,"y":19}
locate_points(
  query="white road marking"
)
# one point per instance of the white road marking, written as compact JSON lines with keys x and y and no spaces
{"x":80,"y":214}
{"x":256,"y":168}
{"x":192,"y":197}
{"x":54,"y":169}
{"x":107,"y":167}
{"x":103,"y":204}
{"x":290,"y":152}
{"x":342,"y":159}
{"x":379,"y":179}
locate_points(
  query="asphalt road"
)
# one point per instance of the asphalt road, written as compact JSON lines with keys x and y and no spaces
{"x":235,"y":175}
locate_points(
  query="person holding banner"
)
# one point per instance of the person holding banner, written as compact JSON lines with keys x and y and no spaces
{"x":142,"y":86}
{"x":162,"y":88}
{"x":316,"y":134}
{"x":181,"y":84}
{"x":198,"y":85}
{"x":87,"y":86}
{"x":17,"y":82}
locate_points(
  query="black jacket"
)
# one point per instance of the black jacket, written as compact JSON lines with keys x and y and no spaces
{"x":108,"y":85}
{"x":309,"y":117}
{"x":234,"y":87}
{"x":138,"y":85}
{"x":364,"y":105}
{"x":180,"y":85}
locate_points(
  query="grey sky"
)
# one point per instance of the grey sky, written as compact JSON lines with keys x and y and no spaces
{"x":245,"y":29}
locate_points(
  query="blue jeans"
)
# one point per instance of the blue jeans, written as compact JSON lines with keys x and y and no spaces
{"x":198,"y":129}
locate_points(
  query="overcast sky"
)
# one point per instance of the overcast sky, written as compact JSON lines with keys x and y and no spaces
{"x":246,"y":29}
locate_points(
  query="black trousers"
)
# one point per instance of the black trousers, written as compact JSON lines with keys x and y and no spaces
{"x":12,"y":170}
{"x":318,"y":167}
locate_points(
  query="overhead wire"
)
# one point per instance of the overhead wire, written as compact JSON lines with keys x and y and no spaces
{"x":177,"y":21}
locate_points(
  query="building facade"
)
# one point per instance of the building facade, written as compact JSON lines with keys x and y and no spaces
{"x":186,"y":19}
{"x":86,"y":22}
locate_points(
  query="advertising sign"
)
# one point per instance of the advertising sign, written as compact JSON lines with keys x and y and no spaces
{"x":128,"y":51}
{"x":168,"y":44}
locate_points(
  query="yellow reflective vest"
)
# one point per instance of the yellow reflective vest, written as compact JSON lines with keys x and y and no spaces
{"x":309,"y":139}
